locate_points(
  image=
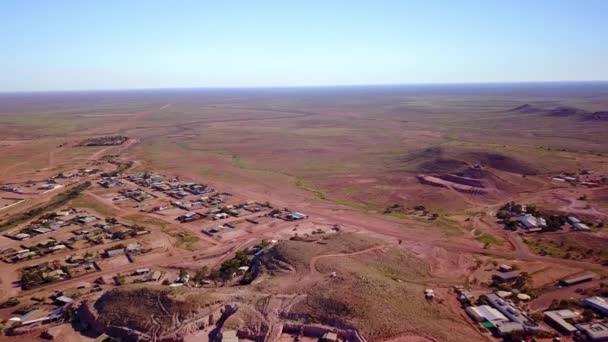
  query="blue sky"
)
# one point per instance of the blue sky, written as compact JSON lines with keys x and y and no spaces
{"x":75,"y":45}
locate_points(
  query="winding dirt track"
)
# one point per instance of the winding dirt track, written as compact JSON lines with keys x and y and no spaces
{"x":313,"y":261}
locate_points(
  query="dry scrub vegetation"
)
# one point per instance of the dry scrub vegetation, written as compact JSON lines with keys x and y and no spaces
{"x":380,"y":293}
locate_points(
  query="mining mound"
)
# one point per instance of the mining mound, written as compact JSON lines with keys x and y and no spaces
{"x":432,"y":160}
{"x":565,"y":111}
{"x":562,"y":111}
{"x":501,"y":162}
{"x":149,"y":312}
{"x":476,"y":172}
{"x":526,"y":109}
{"x":596,"y":116}
{"x":461,"y":184}
{"x":423,"y":155}
{"x":474,"y":182}
{"x":443,"y":165}
{"x":104,"y":141}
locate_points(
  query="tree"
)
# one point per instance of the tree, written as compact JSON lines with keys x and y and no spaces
{"x":523,"y":280}
{"x":201,"y":275}
{"x":588,"y":315}
{"x":263,"y":244}
{"x":511,"y":225}
{"x":516,"y":208}
{"x":502,"y":214}
{"x":9,"y":303}
{"x":555,"y":222}
{"x":120,"y":279}
{"x":120,"y":235}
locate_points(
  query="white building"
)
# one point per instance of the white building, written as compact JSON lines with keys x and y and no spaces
{"x":485,"y":313}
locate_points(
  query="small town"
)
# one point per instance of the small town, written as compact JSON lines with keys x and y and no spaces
{"x":304,"y":171}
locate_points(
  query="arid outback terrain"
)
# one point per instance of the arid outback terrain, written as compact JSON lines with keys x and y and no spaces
{"x":357,"y":213}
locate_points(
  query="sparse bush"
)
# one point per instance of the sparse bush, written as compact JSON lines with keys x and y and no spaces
{"x":120,"y":280}
{"x":9,"y":303}
{"x":588,"y":315}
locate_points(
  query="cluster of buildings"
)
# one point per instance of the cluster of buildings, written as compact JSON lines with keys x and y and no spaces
{"x":43,"y":186}
{"x":287,"y":215}
{"x":502,"y":316}
{"x":109,"y":182}
{"x":76,"y":173}
{"x":531,"y":223}
{"x":585,"y":178}
{"x":515,"y":215}
{"x":40,"y":249}
{"x":10,"y":188}
{"x":48,"y":311}
{"x":52,"y":222}
{"x":73,"y":266}
{"x":284,"y":215}
{"x":88,"y":229}
{"x":131,"y":249}
{"x":220,"y":213}
{"x":136,"y":194}
{"x":40,"y":186}
{"x":172,"y":187}
{"x":570,"y":322}
{"x":92,"y":229}
{"x":55,"y":271}
{"x":499,"y":313}
{"x":147,"y":275}
{"x":576,"y":224}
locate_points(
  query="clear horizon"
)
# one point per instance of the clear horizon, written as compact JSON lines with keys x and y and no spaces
{"x":78,"y":46}
{"x":379,"y":85}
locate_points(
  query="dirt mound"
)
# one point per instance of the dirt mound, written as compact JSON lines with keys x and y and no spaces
{"x":380,"y":295}
{"x":565,"y":111}
{"x":443,"y":165}
{"x":596,"y":116}
{"x":248,"y":319}
{"x":423,"y":155}
{"x":526,"y":108}
{"x":432,"y":160}
{"x":473,"y":182}
{"x":297,"y":254}
{"x":475,"y":172}
{"x":460,"y":184}
{"x":152,"y":311}
{"x":561,"y":111}
{"x":501,"y":162}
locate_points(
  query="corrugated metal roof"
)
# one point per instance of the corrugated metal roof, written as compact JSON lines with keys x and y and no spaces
{"x":558,"y":317}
